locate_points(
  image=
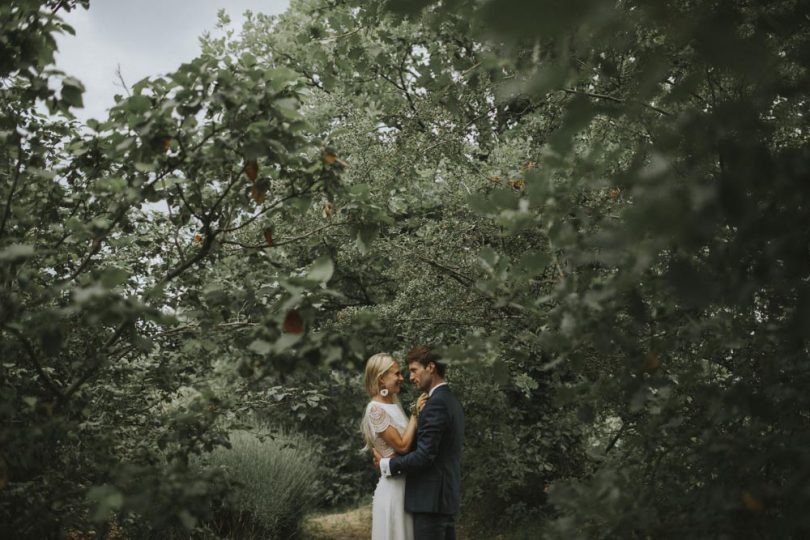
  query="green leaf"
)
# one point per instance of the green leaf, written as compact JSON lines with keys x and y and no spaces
{"x":248,"y":60}
{"x":288,"y":107}
{"x":260,"y":347}
{"x":143,"y":344}
{"x":322,"y":269}
{"x":489,"y":258}
{"x":112,"y":277}
{"x":145,"y":167}
{"x":16,"y":252}
{"x":526,"y":384}
{"x":504,"y":199}
{"x":359,"y":191}
{"x":171,"y":181}
{"x":365,"y":235}
{"x":188,"y":521}
{"x":533,"y":263}
{"x":138,"y":104}
{"x":72,"y":90}
{"x":500,"y":372}
{"x":280,"y":77}
{"x":83,"y":295}
{"x":104,"y":500}
{"x":110,"y":184}
{"x":301,"y":204}
{"x":480,"y":204}
{"x":286,"y":341}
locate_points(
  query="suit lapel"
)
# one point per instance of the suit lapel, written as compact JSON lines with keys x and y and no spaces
{"x":442,"y":388}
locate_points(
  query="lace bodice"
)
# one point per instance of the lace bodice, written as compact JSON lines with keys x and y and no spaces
{"x":380,"y":416}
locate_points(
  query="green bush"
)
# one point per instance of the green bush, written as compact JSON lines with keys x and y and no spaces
{"x":274,"y":477}
{"x":327,"y":405}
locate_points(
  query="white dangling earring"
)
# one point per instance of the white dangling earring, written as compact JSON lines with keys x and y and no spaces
{"x":384,"y":392}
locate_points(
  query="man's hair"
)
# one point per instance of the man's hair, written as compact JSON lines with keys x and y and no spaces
{"x":425,"y":355}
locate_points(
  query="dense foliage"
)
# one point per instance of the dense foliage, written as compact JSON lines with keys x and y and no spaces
{"x":599,"y":210}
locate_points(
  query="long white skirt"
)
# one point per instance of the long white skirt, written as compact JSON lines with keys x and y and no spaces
{"x":389,"y":520}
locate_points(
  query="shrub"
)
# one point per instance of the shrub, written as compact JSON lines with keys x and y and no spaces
{"x":327,"y":405}
{"x":274,"y":482}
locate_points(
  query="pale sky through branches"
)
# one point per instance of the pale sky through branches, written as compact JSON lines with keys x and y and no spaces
{"x":144,"y":37}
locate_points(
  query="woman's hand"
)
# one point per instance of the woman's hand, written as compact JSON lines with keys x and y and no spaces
{"x":376,"y":456}
{"x":420,"y":403}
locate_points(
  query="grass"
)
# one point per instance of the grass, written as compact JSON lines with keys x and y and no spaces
{"x":349,"y":525}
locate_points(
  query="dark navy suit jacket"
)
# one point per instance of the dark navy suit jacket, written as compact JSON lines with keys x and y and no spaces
{"x":434,"y":467}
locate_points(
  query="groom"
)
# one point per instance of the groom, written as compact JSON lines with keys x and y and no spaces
{"x":432,"y":490}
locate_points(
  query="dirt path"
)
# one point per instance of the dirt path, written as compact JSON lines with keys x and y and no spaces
{"x":354,"y":524}
{"x":349,"y":525}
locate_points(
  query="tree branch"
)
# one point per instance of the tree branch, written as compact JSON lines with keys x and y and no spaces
{"x":340,"y":36}
{"x":95,"y":246}
{"x":121,"y":80}
{"x":208,"y":241}
{"x":616,"y":100}
{"x":615,"y":438}
{"x":17,"y":173}
{"x":59,"y":5}
{"x":461,"y":278}
{"x":284,"y":242}
{"x":234,"y":180}
{"x":96,"y":362}
{"x":32,"y":356}
{"x":186,"y":203}
{"x":265,"y":210}
{"x":180,"y":251}
{"x":405,"y":90}
{"x":192,"y":327}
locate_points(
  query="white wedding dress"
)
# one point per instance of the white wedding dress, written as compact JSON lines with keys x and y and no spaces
{"x":389,"y":520}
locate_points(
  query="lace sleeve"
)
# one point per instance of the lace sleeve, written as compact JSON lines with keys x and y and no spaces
{"x":378,"y":418}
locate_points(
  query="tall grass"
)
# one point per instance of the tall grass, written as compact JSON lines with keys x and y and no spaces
{"x":275,"y":482}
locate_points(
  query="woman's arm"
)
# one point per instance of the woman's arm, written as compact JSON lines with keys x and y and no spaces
{"x":402,"y":444}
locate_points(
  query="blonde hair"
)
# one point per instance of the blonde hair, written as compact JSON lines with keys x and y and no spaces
{"x":376,"y":366}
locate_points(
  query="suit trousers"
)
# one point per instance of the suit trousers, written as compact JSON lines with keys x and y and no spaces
{"x":429,"y":526}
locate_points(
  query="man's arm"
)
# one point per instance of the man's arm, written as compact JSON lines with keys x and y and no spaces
{"x":434,"y":422}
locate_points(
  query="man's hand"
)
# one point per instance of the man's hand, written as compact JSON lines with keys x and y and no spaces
{"x":377,"y":458}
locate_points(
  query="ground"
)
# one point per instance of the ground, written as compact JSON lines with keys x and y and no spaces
{"x":355,"y":523}
{"x":349,"y":525}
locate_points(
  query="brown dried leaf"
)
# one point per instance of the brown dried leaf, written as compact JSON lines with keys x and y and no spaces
{"x":258,"y":194}
{"x":252,"y":170}
{"x":293,"y":323}
{"x":329,"y":156}
{"x":751,"y":502}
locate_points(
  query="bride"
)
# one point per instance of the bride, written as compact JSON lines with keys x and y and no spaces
{"x":387,"y":430}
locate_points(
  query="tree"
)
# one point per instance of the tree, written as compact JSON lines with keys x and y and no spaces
{"x":419,"y":140}
{"x":108,"y":233}
{"x":671,"y":193}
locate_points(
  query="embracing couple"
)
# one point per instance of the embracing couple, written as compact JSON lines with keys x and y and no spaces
{"x":425,"y":448}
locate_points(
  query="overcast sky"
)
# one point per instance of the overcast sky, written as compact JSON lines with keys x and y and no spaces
{"x":146,"y":37}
